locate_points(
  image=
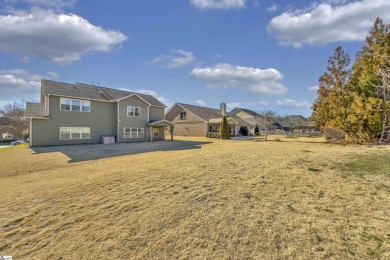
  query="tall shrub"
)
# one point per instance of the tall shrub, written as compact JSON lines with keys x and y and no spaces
{"x":224,"y":129}
{"x":257,"y":129}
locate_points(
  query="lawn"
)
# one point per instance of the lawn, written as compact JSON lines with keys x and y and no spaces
{"x":293,"y":198}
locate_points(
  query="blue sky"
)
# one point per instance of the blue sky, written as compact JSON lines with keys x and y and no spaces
{"x":259,"y":55}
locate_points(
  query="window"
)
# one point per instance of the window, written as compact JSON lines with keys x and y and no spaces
{"x":210,"y":128}
{"x":183,"y":115}
{"x":156,"y":132}
{"x":75,"y":105}
{"x":133,"y":111}
{"x":75,"y":133}
{"x":7,"y":136}
{"x":133,"y":132}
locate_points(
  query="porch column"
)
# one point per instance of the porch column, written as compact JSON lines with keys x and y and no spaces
{"x":151,"y":133}
{"x":171,"y":130}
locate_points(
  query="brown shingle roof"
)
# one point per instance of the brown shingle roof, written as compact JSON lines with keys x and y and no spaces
{"x":35,"y":110}
{"x":86,"y":91}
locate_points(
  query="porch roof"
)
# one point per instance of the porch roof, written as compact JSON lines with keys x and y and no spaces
{"x":219,"y":120}
{"x":160,"y":123}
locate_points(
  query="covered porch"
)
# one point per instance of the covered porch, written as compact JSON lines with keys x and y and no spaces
{"x":156,"y":130}
{"x":215,"y":123}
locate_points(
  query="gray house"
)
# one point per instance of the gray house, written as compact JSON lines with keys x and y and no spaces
{"x":82,"y":114}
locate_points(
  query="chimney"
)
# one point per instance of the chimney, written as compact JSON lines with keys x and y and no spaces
{"x":223,"y":108}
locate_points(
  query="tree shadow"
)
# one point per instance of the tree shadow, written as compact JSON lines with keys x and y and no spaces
{"x":88,"y":152}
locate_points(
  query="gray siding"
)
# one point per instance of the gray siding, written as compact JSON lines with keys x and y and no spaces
{"x":156,"y":113}
{"x":101,"y":120}
{"x":139,"y":122}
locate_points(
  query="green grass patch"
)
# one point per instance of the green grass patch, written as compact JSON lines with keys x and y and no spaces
{"x":20,"y":146}
{"x":366,"y":164}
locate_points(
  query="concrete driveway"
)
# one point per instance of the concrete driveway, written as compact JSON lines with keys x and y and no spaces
{"x":87,"y":152}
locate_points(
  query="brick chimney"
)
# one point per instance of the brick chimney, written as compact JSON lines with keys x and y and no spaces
{"x":223,"y":108}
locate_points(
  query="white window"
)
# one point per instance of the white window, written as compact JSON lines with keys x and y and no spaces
{"x":75,"y":133}
{"x":133,"y":111}
{"x":183,"y":115}
{"x":133,"y":132}
{"x":75,"y":105}
{"x":156,"y":132}
{"x":7,"y":136}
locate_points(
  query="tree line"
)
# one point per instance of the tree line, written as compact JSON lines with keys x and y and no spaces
{"x":353,"y":103}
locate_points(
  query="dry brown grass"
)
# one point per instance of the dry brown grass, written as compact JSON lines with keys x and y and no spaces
{"x":296,"y":198}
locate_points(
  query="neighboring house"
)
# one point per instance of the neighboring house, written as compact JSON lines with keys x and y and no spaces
{"x":252,"y":118}
{"x":193,"y":120}
{"x":294,"y":123}
{"x":7,"y":132}
{"x":82,"y":114}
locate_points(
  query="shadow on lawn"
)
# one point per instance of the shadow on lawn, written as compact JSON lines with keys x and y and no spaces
{"x":87,"y":152}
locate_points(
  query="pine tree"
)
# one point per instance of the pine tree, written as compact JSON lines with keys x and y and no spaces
{"x":224,"y":129}
{"x":257,"y":129}
{"x":329,"y":110}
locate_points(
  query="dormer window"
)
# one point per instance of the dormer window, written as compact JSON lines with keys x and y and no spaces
{"x":75,"y":105}
{"x":133,"y":111}
{"x":183,"y":115}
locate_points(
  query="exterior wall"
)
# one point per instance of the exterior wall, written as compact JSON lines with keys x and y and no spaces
{"x":101,"y":120}
{"x":161,"y":134}
{"x":156,"y":113}
{"x":192,"y":126}
{"x":138,"y":122}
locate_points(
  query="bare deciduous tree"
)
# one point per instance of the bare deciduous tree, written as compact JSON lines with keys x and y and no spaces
{"x":268,"y":119}
{"x":14,"y":116}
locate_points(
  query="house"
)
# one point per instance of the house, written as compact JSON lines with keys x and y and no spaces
{"x":83,"y":114}
{"x":295,"y":124}
{"x":7,"y":132}
{"x":191,"y":120}
{"x":252,"y":118}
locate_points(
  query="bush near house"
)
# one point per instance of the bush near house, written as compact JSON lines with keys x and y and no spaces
{"x":244,"y":130}
{"x":225,"y":133}
{"x":257,"y":129}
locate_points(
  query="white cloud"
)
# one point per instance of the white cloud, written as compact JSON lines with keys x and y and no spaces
{"x":219,"y":4}
{"x":328,"y":22}
{"x":60,"y":38}
{"x":177,"y":58}
{"x":252,"y":79}
{"x":25,"y":59}
{"x":232,"y":105}
{"x":272,"y":8}
{"x":199,"y":102}
{"x":20,"y":84}
{"x":52,"y":3}
{"x":291,"y":103}
{"x":313,"y":88}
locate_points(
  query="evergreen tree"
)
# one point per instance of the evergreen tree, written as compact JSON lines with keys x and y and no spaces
{"x":257,"y":129}
{"x":329,"y":110}
{"x":224,"y":129}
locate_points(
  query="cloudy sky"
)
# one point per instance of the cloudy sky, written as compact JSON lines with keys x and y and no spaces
{"x":257,"y":54}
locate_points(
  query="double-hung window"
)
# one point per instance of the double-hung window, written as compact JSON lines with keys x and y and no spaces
{"x":133,"y":111}
{"x":75,"y":133}
{"x":75,"y":105}
{"x":133,"y":132}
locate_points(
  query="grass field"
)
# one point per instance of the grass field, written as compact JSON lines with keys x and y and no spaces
{"x":296,"y":198}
